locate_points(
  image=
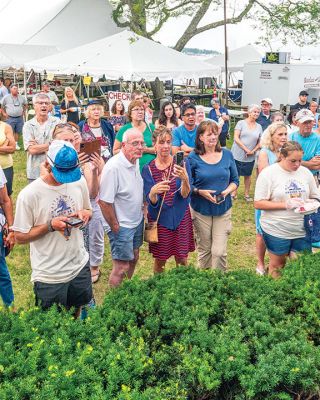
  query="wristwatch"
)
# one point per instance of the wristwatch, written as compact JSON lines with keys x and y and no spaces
{"x":196,"y":191}
{"x":50,"y":227}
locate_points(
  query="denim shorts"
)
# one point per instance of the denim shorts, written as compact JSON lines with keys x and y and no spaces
{"x":280,"y":247}
{"x":125,"y":241}
{"x":257,"y":216}
{"x":16,"y":124}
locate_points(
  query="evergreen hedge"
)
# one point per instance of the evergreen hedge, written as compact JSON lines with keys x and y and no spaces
{"x":186,"y":334}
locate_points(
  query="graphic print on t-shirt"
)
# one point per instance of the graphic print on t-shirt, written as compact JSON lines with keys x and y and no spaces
{"x":294,"y":188}
{"x":62,"y":205}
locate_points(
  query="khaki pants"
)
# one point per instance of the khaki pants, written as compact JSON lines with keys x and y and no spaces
{"x":212,"y":237}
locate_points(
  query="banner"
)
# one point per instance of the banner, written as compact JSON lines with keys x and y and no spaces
{"x":123,"y":96}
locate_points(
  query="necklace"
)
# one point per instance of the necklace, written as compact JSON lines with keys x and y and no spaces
{"x":64,"y":195}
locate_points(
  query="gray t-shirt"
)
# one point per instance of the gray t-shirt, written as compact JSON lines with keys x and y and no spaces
{"x":13,"y":106}
{"x":249,"y":138}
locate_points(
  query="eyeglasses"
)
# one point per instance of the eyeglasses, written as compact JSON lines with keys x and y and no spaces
{"x":137,"y":143}
{"x":137,"y":109}
{"x":188,"y":115}
{"x":43,"y":103}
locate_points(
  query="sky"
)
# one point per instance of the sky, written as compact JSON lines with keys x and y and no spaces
{"x":238,"y":35}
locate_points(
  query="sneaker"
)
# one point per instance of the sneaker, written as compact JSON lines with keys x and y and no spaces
{"x":18,"y":147}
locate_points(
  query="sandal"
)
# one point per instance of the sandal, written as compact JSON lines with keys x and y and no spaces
{"x":95,"y":277}
{"x":260,"y":272}
{"x":248,"y":199}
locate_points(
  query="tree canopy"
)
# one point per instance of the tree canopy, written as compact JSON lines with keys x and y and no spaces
{"x":284,"y":19}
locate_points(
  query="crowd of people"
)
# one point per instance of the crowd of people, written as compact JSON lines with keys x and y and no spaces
{"x":116,"y":176}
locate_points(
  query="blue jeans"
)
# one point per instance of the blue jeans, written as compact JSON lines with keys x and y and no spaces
{"x":6,"y":291}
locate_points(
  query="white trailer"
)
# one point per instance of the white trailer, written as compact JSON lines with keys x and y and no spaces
{"x":281,"y":82}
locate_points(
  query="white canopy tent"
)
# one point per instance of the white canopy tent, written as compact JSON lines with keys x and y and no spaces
{"x":60,"y":23}
{"x":128,"y":56}
{"x":16,"y":55}
{"x":237,"y":58}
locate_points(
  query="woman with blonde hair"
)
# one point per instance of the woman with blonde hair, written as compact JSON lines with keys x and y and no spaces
{"x":70,"y":105}
{"x":94,"y":127}
{"x":274,"y":137}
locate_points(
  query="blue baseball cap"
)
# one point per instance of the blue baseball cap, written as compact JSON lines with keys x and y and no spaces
{"x":64,"y":162}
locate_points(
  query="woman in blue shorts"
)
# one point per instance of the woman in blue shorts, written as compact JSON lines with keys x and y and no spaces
{"x":280,"y":189}
{"x":273,"y":139}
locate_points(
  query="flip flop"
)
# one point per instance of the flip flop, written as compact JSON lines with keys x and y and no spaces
{"x":248,"y":199}
{"x":259,"y":272}
{"x":95,"y":277}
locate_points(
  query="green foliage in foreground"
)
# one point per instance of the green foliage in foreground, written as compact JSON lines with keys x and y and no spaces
{"x":186,"y":334}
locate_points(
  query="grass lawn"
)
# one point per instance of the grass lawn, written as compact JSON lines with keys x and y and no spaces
{"x":241,"y":247}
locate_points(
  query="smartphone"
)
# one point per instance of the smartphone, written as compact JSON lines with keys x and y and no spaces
{"x":90,"y":147}
{"x":178,"y":158}
{"x":219,"y":198}
{"x":72,"y":221}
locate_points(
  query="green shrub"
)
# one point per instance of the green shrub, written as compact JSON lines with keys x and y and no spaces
{"x":186,"y":334}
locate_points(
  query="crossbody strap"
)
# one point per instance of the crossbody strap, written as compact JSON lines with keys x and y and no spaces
{"x":162,"y":201}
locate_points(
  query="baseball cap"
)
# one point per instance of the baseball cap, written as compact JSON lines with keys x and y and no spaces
{"x":304,"y":115}
{"x":94,"y":102}
{"x":64,"y":162}
{"x":267,"y":100}
{"x":303,"y":93}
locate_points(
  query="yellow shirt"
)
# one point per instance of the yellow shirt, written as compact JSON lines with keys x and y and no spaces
{"x":6,"y":160}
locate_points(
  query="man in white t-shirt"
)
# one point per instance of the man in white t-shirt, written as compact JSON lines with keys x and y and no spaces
{"x":37,"y":134}
{"x":121,"y":199}
{"x":44,"y":211}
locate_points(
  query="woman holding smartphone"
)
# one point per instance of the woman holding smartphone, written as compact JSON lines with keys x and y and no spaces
{"x":167,"y":182}
{"x":215,"y":176}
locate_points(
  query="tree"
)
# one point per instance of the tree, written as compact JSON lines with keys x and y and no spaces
{"x":296,"y":19}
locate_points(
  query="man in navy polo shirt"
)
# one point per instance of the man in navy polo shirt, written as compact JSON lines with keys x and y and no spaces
{"x":185,"y":135}
{"x":264,"y":118}
{"x":220,"y":115}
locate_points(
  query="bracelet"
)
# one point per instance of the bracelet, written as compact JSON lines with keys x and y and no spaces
{"x":50,"y":227}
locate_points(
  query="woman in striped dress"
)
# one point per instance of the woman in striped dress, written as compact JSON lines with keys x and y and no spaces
{"x":163,"y":179}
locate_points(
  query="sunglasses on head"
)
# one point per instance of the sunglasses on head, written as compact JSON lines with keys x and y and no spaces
{"x":64,"y":169}
{"x":65,"y":125}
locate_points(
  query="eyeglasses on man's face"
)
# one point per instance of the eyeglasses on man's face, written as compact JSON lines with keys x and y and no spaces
{"x":137,"y":143}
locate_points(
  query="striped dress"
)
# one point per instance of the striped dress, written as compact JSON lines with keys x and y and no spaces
{"x":178,"y":242}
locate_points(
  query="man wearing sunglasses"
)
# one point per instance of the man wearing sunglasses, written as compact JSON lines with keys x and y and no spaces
{"x":37,"y":134}
{"x":185,"y":135}
{"x":49,"y":213}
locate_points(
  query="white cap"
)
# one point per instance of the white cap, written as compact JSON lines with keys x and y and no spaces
{"x":267,"y":100}
{"x":304,"y":115}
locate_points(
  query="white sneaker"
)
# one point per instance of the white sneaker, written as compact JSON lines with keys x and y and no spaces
{"x":18,"y":147}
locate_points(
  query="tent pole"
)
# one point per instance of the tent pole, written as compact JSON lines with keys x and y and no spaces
{"x":225,"y":49}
